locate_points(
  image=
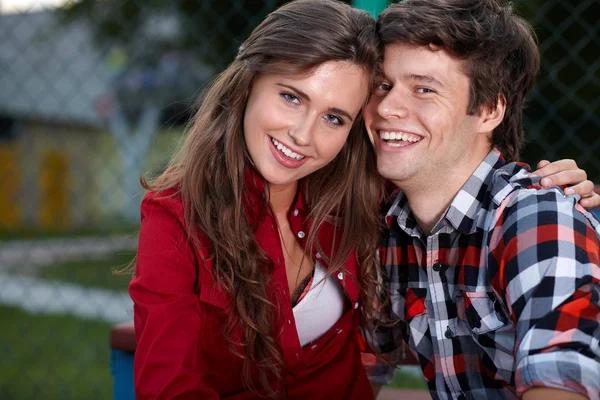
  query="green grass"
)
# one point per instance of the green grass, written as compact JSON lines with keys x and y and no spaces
{"x":53,"y":357}
{"x":39,"y":233}
{"x":96,"y":272}
{"x":63,"y":357}
{"x":408,"y":380}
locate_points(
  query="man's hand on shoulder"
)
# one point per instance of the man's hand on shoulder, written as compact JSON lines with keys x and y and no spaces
{"x":567,"y":173}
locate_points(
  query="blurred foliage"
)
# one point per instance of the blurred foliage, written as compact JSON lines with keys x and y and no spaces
{"x":408,"y":378}
{"x":215,"y":28}
{"x":562,"y":119}
{"x":563,"y":114}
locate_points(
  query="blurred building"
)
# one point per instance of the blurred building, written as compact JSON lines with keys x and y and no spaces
{"x":51,"y":79}
{"x":60,"y":166}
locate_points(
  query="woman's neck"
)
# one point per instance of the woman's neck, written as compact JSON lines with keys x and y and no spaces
{"x":281,"y":198}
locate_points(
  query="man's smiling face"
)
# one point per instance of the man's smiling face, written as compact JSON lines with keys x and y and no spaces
{"x":417,"y":118}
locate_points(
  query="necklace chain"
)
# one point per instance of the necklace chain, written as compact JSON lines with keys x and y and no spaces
{"x":290,"y":256}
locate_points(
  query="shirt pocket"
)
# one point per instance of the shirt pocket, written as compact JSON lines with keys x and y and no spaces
{"x":490,"y":329}
{"x":481,"y":311}
{"x":213,"y":311}
{"x":414,"y":303}
{"x":214,"y":346}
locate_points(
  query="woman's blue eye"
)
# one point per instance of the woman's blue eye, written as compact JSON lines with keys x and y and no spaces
{"x":334,"y":120}
{"x":290,"y":98}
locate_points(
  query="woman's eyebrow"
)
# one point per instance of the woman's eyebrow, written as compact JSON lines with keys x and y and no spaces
{"x":300,"y":93}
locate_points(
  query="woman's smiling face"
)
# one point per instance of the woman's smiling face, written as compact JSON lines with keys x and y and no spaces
{"x":296,"y":124}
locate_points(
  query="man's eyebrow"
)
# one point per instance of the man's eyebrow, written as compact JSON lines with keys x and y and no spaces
{"x":307,"y":98}
{"x":424,"y":78}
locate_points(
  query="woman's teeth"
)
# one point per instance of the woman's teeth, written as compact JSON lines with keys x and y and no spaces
{"x":286,"y":151}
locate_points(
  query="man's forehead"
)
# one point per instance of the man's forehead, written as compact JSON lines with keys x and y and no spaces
{"x":408,"y":61}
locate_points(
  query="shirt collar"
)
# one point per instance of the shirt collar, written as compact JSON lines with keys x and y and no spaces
{"x":401,"y":213}
{"x":493,"y":180}
{"x":254,"y":196}
{"x":465,"y":209}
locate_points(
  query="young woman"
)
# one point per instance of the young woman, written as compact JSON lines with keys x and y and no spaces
{"x":255,"y":264}
{"x":252,"y":208}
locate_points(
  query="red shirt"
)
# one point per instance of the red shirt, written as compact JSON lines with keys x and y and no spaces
{"x":182,"y":352}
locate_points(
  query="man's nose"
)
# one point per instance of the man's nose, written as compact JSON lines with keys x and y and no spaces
{"x":393,"y":105}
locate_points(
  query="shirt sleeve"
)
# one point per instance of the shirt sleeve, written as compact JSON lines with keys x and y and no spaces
{"x":548,"y":261}
{"x":166,"y":309}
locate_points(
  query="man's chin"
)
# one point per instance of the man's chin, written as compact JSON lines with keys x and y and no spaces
{"x":396,"y":178}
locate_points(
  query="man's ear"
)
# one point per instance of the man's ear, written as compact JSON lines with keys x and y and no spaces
{"x":490,"y":119}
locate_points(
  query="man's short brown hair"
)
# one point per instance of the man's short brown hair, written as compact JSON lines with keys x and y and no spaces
{"x":499,"y":51}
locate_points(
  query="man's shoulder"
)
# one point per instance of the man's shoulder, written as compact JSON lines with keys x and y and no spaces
{"x":523,"y":204}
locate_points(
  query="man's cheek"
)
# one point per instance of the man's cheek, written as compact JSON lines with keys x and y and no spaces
{"x":370,"y":135}
{"x":368,"y":119}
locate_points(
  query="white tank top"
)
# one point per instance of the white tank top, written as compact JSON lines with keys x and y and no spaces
{"x":321,"y":307}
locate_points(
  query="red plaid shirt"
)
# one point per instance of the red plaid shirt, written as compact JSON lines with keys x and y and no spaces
{"x":502,"y":296}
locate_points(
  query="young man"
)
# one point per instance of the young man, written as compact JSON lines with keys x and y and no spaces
{"x":495,"y":282}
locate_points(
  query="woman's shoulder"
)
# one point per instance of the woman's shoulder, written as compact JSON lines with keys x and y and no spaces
{"x":162,"y":213}
{"x":161,"y":201}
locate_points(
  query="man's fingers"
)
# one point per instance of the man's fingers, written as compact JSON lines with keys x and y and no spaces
{"x":565,"y":177}
{"x":548,"y":169}
{"x":584,"y":189}
{"x":590,"y":202}
{"x":542,"y":164}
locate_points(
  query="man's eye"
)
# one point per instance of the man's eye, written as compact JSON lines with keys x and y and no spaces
{"x":424,"y":90}
{"x":384,"y":86}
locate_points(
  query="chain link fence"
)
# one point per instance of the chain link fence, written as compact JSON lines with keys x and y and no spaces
{"x":94,"y":93}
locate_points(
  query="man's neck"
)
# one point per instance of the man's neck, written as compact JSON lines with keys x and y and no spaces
{"x":430,"y":204}
{"x":430,"y":197}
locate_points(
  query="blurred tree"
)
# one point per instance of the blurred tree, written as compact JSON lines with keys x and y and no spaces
{"x":563,"y":115}
{"x":162,"y":53}
{"x":562,"y":119}
{"x":213,"y":28}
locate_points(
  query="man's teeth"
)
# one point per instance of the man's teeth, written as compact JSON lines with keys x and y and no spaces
{"x":286,"y":151}
{"x":399,"y":136}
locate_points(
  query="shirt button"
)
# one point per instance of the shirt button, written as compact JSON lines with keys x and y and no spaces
{"x":289,"y":321}
{"x":356,"y":305}
{"x":437,"y":266}
{"x":301,"y":235}
{"x":318,"y":255}
{"x":296,"y":212}
{"x":341,"y":276}
{"x":449,"y":334}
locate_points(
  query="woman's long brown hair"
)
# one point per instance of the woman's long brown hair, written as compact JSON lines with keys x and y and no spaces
{"x":209,"y":173}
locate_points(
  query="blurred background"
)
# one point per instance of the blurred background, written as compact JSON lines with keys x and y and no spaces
{"x":94,"y":93}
